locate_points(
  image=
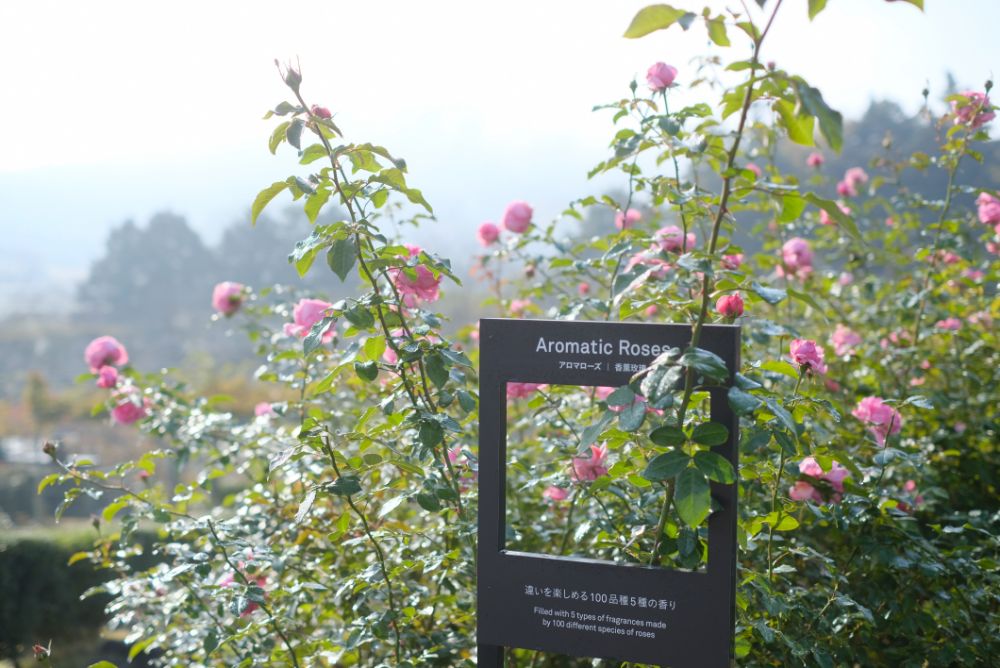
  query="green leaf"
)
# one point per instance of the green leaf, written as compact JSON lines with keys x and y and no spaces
{"x":48,"y":480}
{"x":710,"y":433}
{"x":264,"y":197}
{"x":430,"y":433}
{"x":342,"y":255}
{"x":466,"y":401}
{"x":770,"y":295}
{"x":632,"y":417}
{"x":668,"y":435}
{"x":780,"y":521}
{"x":210,"y":643}
{"x":428,"y":502}
{"x":706,"y":363}
{"x":277,"y":136}
{"x":360,"y":317}
{"x":622,"y":396}
{"x":815,"y":7}
{"x":783,"y":415}
{"x":314,"y":339}
{"x":916,"y":400}
{"x":831,"y":123}
{"x":112,"y":509}
{"x":138,"y":647}
{"x":666,"y":465}
{"x":652,"y":18}
{"x":102,"y":664}
{"x":437,"y":369}
{"x":743,"y":403}
{"x":715,"y":467}
{"x":800,"y":127}
{"x":293,"y":134}
{"x":843,"y":220}
{"x":390,"y":506}
{"x":692,"y":497}
{"x":717,"y":31}
{"x":366,"y":370}
{"x":305,"y":506}
{"x":792,"y":207}
{"x":347,"y":485}
{"x":314,"y":204}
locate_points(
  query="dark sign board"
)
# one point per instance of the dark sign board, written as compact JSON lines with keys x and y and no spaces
{"x":585,"y":607}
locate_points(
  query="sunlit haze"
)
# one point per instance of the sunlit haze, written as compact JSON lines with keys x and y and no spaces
{"x":116,"y":110}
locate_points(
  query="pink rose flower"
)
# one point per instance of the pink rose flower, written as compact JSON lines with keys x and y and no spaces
{"x":592,"y":468}
{"x":519,"y":306}
{"x":650,"y":311}
{"x":263,"y":409}
{"x":732,"y":262}
{"x":130,"y":407}
{"x":988,"y":208}
{"x":845,"y":279}
{"x":522,"y":390}
{"x":844,"y":340}
{"x":104,"y":351}
{"x":583,"y":289}
{"x":975,"y":110}
{"x":107,"y":377}
{"x":553,"y":493}
{"x":650,"y":259}
{"x":306,"y":314}
{"x":889,"y":222}
{"x":815,"y":159}
{"x":628,"y":219}
{"x":881,"y":419}
{"x":229,"y":580}
{"x":949,"y":324}
{"x":671,"y":239}
{"x":797,"y":256}
{"x":730,"y":306}
{"x":803,"y":491}
{"x":602,"y":392}
{"x":227,"y":297}
{"x":660,"y":76}
{"x":810,"y":467}
{"x":517,"y":217}
{"x":844,"y":189}
{"x":855,"y":176}
{"x":320,"y":112}
{"x":487,"y":234}
{"x":754,"y":168}
{"x":424,"y":286}
{"x":807,"y":355}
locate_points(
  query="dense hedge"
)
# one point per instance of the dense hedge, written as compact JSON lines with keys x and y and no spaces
{"x":40,"y":592}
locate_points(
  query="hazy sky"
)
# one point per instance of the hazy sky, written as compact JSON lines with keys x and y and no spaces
{"x":115,"y":110}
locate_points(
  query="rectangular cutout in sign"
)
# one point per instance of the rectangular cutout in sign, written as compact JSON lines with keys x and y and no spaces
{"x":580,"y":585}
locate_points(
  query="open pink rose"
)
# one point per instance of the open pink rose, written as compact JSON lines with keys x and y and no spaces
{"x":517,"y":217}
{"x":487,"y":234}
{"x":844,"y":189}
{"x":107,"y":377}
{"x":627,"y":219}
{"x":263,"y":409}
{"x":806,"y":491}
{"x":807,"y":355}
{"x":130,"y":406}
{"x":422,"y":286}
{"x":650,"y":259}
{"x":553,"y":493}
{"x":855,"y":176}
{"x":732,"y":262}
{"x":974,"y":110}
{"x":803,"y":491}
{"x":660,"y":76}
{"x":797,"y":257}
{"x":522,"y":390}
{"x":844,"y":340}
{"x":227,"y":297}
{"x":306,"y":314}
{"x":949,"y":324}
{"x":105,"y":351}
{"x":988,"y":208}
{"x":881,"y":419}
{"x":671,"y":239}
{"x":591,"y":468}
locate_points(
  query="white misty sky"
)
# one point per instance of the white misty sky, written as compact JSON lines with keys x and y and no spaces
{"x":115,"y":110}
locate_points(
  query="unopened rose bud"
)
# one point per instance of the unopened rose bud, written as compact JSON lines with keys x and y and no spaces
{"x":41,"y":653}
{"x":529,"y":271}
{"x":988,"y":85}
{"x":320,"y":112}
{"x":95,"y":522}
{"x":50,"y":449}
{"x":293,"y":79}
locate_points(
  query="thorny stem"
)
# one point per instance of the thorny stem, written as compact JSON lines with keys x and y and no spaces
{"x":246,"y":582}
{"x":706,"y":288}
{"x":777,"y":487}
{"x":379,"y":554}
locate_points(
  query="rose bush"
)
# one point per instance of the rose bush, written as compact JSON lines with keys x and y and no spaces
{"x":338,"y":527}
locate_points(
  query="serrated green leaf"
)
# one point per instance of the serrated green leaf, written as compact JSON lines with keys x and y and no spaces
{"x":705,"y":362}
{"x":652,"y":18}
{"x":342,"y":256}
{"x":710,"y":433}
{"x":621,"y":396}
{"x":632,"y":417}
{"x":770,"y":295}
{"x":715,"y":467}
{"x":277,"y":136}
{"x":717,"y":31}
{"x":293,"y":133}
{"x":315,"y":203}
{"x":437,"y":369}
{"x":347,"y":485}
{"x":366,"y":370}
{"x":831,"y":123}
{"x":692,"y":497}
{"x":360,"y":317}
{"x":743,"y":403}
{"x":264,"y":197}
{"x":430,"y":433}
{"x":792,"y":207}
{"x":305,"y":506}
{"x":666,"y":465}
{"x":800,"y":127}
{"x":466,"y":401}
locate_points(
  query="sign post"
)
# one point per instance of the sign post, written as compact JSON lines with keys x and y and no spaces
{"x":627,"y":612}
